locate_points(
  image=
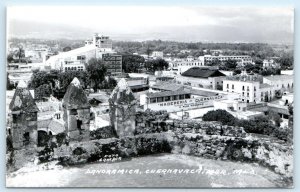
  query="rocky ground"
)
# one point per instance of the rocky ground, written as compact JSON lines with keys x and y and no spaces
{"x":207,"y":173}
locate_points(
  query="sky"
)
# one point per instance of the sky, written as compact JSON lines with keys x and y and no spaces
{"x":139,"y":23}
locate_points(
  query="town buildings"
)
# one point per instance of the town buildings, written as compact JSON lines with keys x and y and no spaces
{"x":201,"y":77}
{"x":254,"y":89}
{"x":157,"y":54}
{"x":241,"y":59}
{"x":77,"y":58}
{"x":113,"y":63}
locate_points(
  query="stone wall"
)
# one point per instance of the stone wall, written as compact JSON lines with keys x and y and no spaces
{"x":112,"y":148}
{"x":274,"y":154}
{"x":158,"y":121}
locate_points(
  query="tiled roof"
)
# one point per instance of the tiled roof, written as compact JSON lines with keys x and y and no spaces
{"x":202,"y":72}
{"x":168,"y":86}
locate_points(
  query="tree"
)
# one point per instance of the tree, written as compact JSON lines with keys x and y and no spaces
{"x":286,"y":60}
{"x":275,"y":117}
{"x":9,"y":85}
{"x":10,"y":58}
{"x":132,"y":63}
{"x":96,"y":71}
{"x":20,"y":53}
{"x":109,"y":83}
{"x":214,"y":62}
{"x":44,"y":90}
{"x":219,"y":115}
{"x":156,"y":65}
{"x":230,"y":64}
{"x":39,"y":78}
{"x":65,"y":49}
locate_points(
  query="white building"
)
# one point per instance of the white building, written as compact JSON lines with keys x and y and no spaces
{"x":287,"y":72}
{"x":157,"y":54}
{"x":184,"y":99}
{"x":269,"y":63}
{"x":37,"y":54}
{"x":252,"y":90}
{"x":248,"y":90}
{"x":280,"y":82}
{"x":77,"y":58}
{"x":236,"y":108}
{"x":183,"y":65}
{"x":241,"y":59}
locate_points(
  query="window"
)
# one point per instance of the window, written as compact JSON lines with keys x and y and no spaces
{"x":243,"y":88}
{"x":160,"y":99}
{"x":181,"y":96}
{"x":227,"y":86}
{"x":73,"y":112}
{"x":26,"y":138}
{"x":168,"y":98}
{"x":232,"y":86}
{"x":79,"y":123}
{"x":153,"y":100}
{"x":247,"y":94}
{"x":187,"y":96}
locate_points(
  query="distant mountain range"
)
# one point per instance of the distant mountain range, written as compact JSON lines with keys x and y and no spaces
{"x":209,"y":33}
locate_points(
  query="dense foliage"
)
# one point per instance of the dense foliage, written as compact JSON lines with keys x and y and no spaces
{"x":132,"y":63}
{"x":96,"y":71}
{"x":267,"y":125}
{"x":156,"y":65}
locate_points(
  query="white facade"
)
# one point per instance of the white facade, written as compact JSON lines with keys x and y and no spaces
{"x":157,"y":54}
{"x":241,"y":59}
{"x":183,"y":65}
{"x":209,"y":83}
{"x":248,"y":90}
{"x":77,"y":58}
{"x":254,"y":91}
{"x":280,"y":82}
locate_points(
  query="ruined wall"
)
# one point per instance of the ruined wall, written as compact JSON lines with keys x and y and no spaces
{"x":156,"y":122}
{"x":24,"y":123}
{"x":74,"y":133}
{"x":276,"y":155}
{"x":122,"y":112}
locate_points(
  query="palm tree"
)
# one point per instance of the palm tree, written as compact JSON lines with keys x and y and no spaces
{"x":20,"y":53}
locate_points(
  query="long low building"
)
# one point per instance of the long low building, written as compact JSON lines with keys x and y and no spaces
{"x":180,"y":100}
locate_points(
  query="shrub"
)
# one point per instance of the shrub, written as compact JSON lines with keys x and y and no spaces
{"x":219,"y":115}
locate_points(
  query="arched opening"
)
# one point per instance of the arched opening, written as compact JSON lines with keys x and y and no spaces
{"x":43,"y":138}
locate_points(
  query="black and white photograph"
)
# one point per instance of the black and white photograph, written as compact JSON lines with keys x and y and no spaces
{"x":124,"y":96}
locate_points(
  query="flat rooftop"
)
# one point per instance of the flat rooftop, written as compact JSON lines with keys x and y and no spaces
{"x":182,"y":92}
{"x":279,"y":77}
